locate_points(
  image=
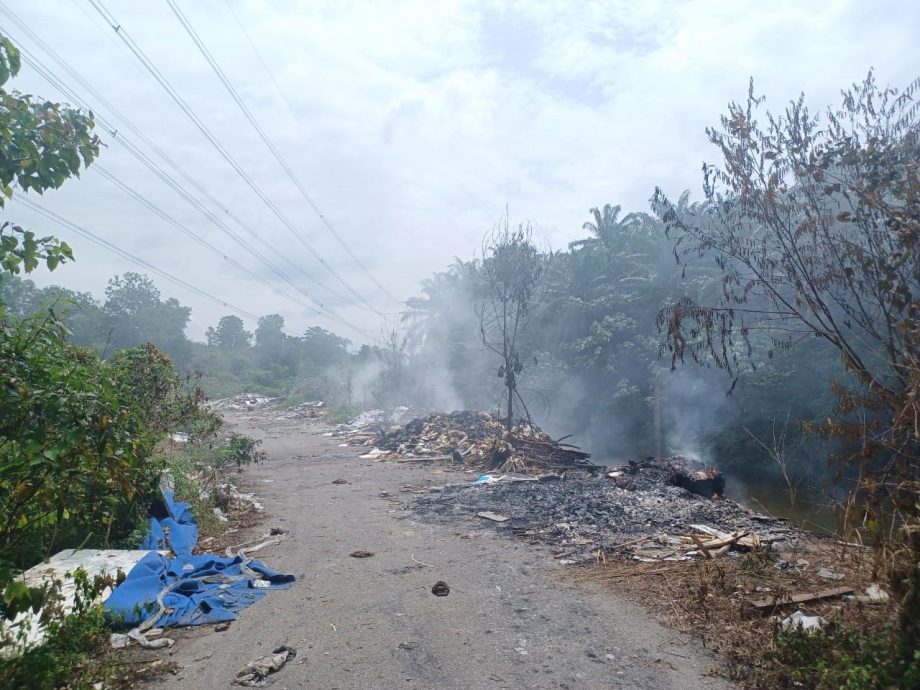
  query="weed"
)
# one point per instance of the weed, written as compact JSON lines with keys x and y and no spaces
{"x":851,"y":660}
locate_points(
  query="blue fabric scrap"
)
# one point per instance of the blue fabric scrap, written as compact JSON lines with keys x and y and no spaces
{"x":177,"y":518}
{"x":194,"y":590}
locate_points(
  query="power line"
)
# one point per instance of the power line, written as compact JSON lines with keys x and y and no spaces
{"x":92,"y":237}
{"x":137,"y":153}
{"x":36,"y":64}
{"x":264,"y":65}
{"x":163,"y":176}
{"x":190,"y":113}
{"x":203,"y":49}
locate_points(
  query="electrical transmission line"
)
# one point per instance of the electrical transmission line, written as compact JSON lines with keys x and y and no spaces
{"x":35,"y":64}
{"x":202,"y":127}
{"x":48,"y":75}
{"x":92,"y":237}
{"x":203,"y":49}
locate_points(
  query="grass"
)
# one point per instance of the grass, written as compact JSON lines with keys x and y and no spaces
{"x":709,"y":598}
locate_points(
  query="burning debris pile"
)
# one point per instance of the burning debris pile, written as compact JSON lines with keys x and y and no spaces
{"x":479,"y":439}
{"x":677,"y":470}
{"x":636,"y":510}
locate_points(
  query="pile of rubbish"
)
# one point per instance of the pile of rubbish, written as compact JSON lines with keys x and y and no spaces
{"x":243,"y":401}
{"x":478,"y":439}
{"x":677,"y":470}
{"x":313,"y":409}
{"x":370,"y":423}
{"x":641,"y":514}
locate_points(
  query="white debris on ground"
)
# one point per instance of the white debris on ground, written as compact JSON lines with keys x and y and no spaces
{"x":312,"y":409}
{"x":799,"y":621}
{"x":25,"y":630}
{"x":243,"y":401}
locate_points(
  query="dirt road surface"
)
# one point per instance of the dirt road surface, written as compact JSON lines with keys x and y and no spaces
{"x":510,"y":620}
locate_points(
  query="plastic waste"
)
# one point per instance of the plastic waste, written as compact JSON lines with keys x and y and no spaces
{"x":799,"y":621}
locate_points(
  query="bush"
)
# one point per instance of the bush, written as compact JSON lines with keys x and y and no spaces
{"x":839,"y":659}
{"x":77,"y":440}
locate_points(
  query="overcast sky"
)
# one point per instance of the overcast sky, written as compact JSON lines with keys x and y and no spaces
{"x":413,"y":125}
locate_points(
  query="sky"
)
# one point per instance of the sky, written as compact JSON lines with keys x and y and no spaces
{"x":411,"y":126}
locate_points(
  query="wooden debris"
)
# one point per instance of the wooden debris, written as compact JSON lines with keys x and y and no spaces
{"x":494,"y":517}
{"x":800,"y":598}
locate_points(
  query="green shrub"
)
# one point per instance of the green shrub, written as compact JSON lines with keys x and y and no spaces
{"x":838,"y":659}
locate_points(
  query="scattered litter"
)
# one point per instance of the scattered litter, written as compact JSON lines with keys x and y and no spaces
{"x":275,"y":531}
{"x":119,"y":640}
{"x":412,"y":556}
{"x":261,"y":584}
{"x":254,"y":673}
{"x":799,"y":621}
{"x":187,"y":589}
{"x":339,"y":481}
{"x":801,"y":598}
{"x":440,"y":589}
{"x":877,"y":594}
{"x":487,"y":479}
{"x":222,"y":627}
{"x":361,"y":554}
{"x":614,"y":475}
{"x":377,"y":454}
{"x":494,"y":517}
{"x":179,"y":437}
{"x":638,"y":514}
{"x":219,"y":514}
{"x":830,"y":575}
{"x":243,"y":401}
{"x":800,"y":564}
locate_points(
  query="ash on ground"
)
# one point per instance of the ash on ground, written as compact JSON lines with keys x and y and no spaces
{"x":635,"y":513}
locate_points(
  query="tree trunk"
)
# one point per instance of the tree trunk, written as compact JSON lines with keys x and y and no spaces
{"x":657,"y":420}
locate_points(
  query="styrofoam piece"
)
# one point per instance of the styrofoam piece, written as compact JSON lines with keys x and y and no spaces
{"x":60,"y":567}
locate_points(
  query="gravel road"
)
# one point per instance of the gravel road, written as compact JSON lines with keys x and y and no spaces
{"x":509,"y":621}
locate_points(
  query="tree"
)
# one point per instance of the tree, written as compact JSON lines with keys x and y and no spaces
{"x":815,"y":228}
{"x":137,"y":315}
{"x":513,"y":269}
{"x":230,"y":334}
{"x":324,"y":348}
{"x":42,"y":145}
{"x":275,"y":349}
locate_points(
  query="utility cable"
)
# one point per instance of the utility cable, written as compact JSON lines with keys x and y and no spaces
{"x":234,"y":94}
{"x":92,"y":237}
{"x":202,"y":127}
{"x":164,"y":177}
{"x":46,"y":73}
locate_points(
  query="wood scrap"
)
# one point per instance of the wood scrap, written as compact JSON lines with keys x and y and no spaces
{"x":494,"y":517}
{"x":800,"y":598}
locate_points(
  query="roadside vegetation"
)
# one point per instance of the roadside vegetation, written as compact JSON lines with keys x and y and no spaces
{"x":83,"y":431}
{"x":793,"y":286}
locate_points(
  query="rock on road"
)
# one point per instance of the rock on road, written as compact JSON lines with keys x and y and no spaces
{"x":508,"y":622}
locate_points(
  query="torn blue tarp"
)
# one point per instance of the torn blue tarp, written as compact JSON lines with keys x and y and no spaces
{"x":187,"y":589}
{"x":172,"y":526}
{"x":191,"y":590}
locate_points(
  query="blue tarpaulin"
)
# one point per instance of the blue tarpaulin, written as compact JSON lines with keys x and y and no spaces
{"x":175,"y":517}
{"x":187,"y":589}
